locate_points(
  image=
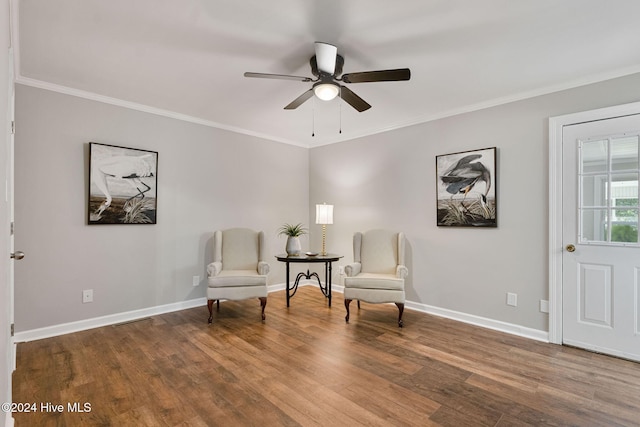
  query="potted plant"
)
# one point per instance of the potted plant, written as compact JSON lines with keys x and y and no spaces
{"x":293,"y":233}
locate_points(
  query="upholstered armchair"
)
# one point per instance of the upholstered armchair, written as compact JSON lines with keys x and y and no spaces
{"x":238,"y":271}
{"x":378,"y":271}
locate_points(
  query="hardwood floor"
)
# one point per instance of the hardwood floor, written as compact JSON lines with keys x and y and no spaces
{"x":305,"y":366}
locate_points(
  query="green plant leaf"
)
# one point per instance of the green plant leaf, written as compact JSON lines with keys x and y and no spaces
{"x":292,"y":230}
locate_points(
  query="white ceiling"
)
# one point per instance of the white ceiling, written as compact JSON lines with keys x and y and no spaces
{"x":186,"y":58}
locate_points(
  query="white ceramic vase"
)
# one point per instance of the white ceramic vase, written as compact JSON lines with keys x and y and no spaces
{"x":293,"y":245}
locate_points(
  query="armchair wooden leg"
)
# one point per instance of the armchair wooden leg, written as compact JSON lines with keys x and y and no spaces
{"x":217,"y":305}
{"x":346,"y":305}
{"x":263,"y":304}
{"x":210,"y":307}
{"x":401,"y":310}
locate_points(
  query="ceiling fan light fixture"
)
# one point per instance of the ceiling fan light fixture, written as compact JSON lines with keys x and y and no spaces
{"x":326,"y":91}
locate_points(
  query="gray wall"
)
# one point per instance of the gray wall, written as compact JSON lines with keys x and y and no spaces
{"x":389,"y":181}
{"x":208,"y":179}
{"x":382,"y":181}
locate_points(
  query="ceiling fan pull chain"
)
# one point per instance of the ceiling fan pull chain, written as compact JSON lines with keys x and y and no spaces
{"x":313,"y":118}
{"x":340,"y":104}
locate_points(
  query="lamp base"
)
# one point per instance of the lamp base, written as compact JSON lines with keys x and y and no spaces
{"x":324,"y":240}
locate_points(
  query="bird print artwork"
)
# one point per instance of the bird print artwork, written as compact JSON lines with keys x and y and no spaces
{"x":122,"y":185}
{"x":466,"y":190}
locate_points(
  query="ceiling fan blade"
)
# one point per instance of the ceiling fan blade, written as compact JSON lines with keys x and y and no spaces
{"x":278,"y":76}
{"x":354,"y":100}
{"x":299,"y":100}
{"x":326,"y":57}
{"x":378,"y":76}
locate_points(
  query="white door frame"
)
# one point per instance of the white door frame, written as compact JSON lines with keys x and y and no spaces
{"x":556,"y":125}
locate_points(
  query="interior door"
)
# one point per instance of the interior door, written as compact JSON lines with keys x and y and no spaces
{"x":10,"y":203}
{"x":601,"y":258}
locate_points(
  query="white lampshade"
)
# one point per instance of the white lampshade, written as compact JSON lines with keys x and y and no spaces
{"x":326,"y":91}
{"x":324,"y":214}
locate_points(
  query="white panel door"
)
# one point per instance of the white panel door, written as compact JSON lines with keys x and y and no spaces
{"x":601,"y":259}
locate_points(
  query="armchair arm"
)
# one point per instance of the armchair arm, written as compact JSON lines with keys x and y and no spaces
{"x":214,"y":268}
{"x":263,"y":268}
{"x":402,"y":272}
{"x":352,"y":269}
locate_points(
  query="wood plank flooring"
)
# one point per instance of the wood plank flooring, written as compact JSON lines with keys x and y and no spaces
{"x":306,"y":367}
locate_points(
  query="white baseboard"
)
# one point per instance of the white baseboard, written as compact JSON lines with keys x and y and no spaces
{"x":128,"y":316}
{"x":97,"y":322}
{"x":483,"y":322}
{"x":471,"y":319}
{"x":8,"y":420}
{"x":112,"y":319}
{"x":276,"y":287}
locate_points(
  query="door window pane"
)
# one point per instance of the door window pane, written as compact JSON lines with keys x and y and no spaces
{"x":609,"y":196}
{"x":594,"y":225}
{"x":624,"y":224}
{"x":595,"y":156}
{"x":624,"y":186}
{"x":624,"y":153}
{"x":594,"y":190}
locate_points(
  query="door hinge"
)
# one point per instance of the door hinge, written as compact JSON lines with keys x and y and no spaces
{"x":11,"y":229}
{"x":13,"y":329}
{"x":13,"y":127}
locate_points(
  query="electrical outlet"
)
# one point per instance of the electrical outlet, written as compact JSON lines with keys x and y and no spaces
{"x":544,"y":306}
{"x":512,"y":299}
{"x":341,"y":269}
{"x":196,"y":280}
{"x":87,"y":296}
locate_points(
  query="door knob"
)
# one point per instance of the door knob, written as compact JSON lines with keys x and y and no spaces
{"x":17,"y":255}
{"x":570,"y":248}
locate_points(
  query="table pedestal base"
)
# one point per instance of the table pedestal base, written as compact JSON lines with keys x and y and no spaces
{"x":325,"y":259}
{"x":323,"y":288}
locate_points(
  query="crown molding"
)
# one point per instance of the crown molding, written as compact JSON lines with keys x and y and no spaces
{"x":400,"y":125}
{"x":592,"y":79}
{"x":26,"y":81}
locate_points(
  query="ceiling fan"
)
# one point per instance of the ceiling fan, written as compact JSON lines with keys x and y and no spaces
{"x":326,"y":66}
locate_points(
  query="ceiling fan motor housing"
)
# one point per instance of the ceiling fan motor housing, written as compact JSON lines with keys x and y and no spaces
{"x":338,"y":70}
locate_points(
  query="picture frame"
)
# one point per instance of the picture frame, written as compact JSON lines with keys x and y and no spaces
{"x":466,"y":188}
{"x":122,"y":185}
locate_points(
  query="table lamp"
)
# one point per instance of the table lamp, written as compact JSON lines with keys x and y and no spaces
{"x":324,"y":216}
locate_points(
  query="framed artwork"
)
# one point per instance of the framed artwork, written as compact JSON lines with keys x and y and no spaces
{"x":466,"y":188}
{"x":122,"y":185}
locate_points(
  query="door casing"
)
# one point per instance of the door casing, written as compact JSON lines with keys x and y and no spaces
{"x":556,"y":125}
